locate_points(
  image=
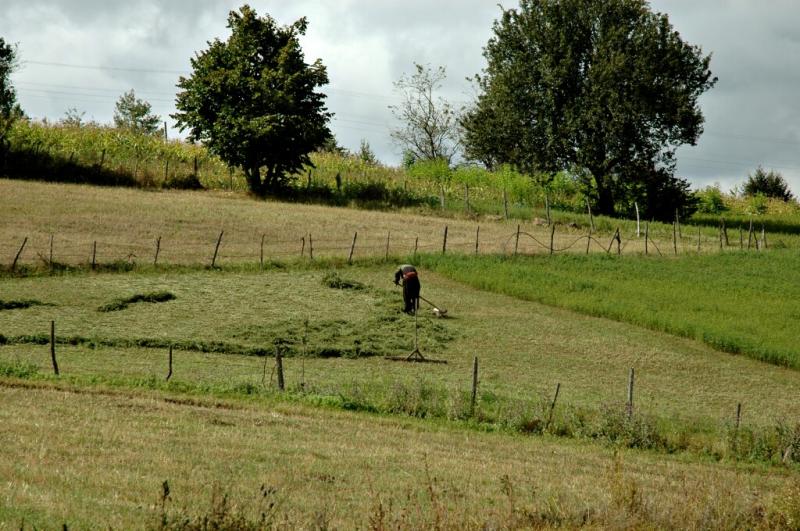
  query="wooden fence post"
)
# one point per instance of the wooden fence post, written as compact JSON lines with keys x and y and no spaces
{"x":588,"y":240}
{"x":750,"y":235}
{"x":21,"y":247}
{"x":636,"y":206}
{"x":698,"y":239}
{"x":675,"y":237}
{"x":103,"y":159}
{"x":505,"y":203}
{"x":216,"y":250}
{"x":552,"y":237}
{"x":474,"y":387}
{"x":738,"y":415}
{"x":547,"y":208}
{"x":741,"y":238}
{"x":725,"y":232}
{"x":646,"y":236}
{"x":158,"y":249}
{"x":516,"y":242}
{"x":678,"y":224}
{"x":441,"y":195}
{"x":444,"y":241}
{"x":310,"y":247}
{"x":388,"y":236}
{"x":619,"y":243}
{"x":303,"y":247}
{"x":630,"y":393}
{"x":352,"y":248}
{"x":169,"y":373}
{"x":279,"y":368}
{"x":553,"y":405}
{"x":416,"y":246}
{"x":53,"y":346}
{"x":94,"y":254}
{"x":721,"y":247}
{"x":477,"y":238}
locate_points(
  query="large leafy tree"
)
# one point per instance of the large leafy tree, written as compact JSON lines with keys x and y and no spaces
{"x":252,"y":99}
{"x":9,"y":108}
{"x":136,"y":114}
{"x":606,"y":86}
{"x":769,"y":183}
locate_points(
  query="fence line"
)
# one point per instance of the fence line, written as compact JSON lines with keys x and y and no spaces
{"x":251,"y":246}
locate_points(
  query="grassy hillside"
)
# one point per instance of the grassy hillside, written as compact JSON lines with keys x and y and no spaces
{"x":101,"y":459}
{"x":743,"y":303}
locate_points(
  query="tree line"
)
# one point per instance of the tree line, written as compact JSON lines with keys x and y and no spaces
{"x":604,"y":90}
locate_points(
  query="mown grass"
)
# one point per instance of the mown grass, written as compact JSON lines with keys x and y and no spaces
{"x":102,"y":459}
{"x":738,"y":303}
{"x":220,"y":323}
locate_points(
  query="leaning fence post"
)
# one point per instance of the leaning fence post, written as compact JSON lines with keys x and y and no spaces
{"x":630,"y":393}
{"x":553,"y":405}
{"x":169,"y":373}
{"x":279,"y":368}
{"x":477,"y":238}
{"x":646,"y":236}
{"x":444,"y":241}
{"x":303,"y":247}
{"x":619,"y":242}
{"x":516,"y":242}
{"x":552,"y":237}
{"x":310,"y":247}
{"x":21,"y":247}
{"x":216,"y":250}
{"x":738,"y":415}
{"x":53,"y":346}
{"x":588,"y":240}
{"x":158,"y":249}
{"x":352,"y":248}
{"x":474,"y":387}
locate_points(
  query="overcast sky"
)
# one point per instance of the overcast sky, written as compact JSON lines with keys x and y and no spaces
{"x":84,"y":53}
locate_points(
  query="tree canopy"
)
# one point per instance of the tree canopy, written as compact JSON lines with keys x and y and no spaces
{"x":9,"y":108}
{"x":253,"y":101}
{"x":602,"y":87}
{"x":133,"y":113}
{"x":769,"y":183}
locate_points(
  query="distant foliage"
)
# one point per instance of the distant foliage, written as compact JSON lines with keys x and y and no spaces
{"x":768,"y":183}
{"x":10,"y":111}
{"x":134,"y":114}
{"x":366,"y":154}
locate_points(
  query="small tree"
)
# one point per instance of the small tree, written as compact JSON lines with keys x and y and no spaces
{"x":366,"y":154}
{"x":135,"y":114}
{"x":769,"y":183}
{"x":430,"y":127}
{"x":253,"y":101}
{"x":9,"y":108}
{"x":72,"y":118}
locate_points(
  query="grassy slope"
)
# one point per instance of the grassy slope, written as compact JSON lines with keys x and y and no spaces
{"x":524,"y":347}
{"x":87,"y":459}
{"x":740,"y":303}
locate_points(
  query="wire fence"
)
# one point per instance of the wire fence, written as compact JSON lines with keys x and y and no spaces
{"x":229,"y":247}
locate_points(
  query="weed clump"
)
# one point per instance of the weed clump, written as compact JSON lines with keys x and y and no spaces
{"x":18,"y":369}
{"x":333,"y":280}
{"x":19,"y":305}
{"x":121,"y":304}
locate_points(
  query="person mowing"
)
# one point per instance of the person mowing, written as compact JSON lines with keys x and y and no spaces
{"x":408,"y":275}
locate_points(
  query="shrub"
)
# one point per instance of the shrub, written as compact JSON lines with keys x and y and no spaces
{"x":710,"y":200}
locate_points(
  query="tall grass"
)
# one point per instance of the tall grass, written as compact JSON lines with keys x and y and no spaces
{"x":742,"y":303}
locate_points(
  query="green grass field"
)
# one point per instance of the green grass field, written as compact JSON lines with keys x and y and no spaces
{"x":94,"y":445}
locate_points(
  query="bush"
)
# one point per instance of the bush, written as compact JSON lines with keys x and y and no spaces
{"x":710,"y":200}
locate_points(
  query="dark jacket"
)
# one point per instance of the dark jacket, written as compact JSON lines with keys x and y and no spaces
{"x":404,"y":273}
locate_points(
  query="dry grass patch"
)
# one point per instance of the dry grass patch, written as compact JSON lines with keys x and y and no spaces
{"x":101,"y":460}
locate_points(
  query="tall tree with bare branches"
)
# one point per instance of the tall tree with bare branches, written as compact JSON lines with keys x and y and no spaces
{"x":430,"y":125}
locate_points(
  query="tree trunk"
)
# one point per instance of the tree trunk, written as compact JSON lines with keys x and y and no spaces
{"x":254,"y":180}
{"x":605,"y":196}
